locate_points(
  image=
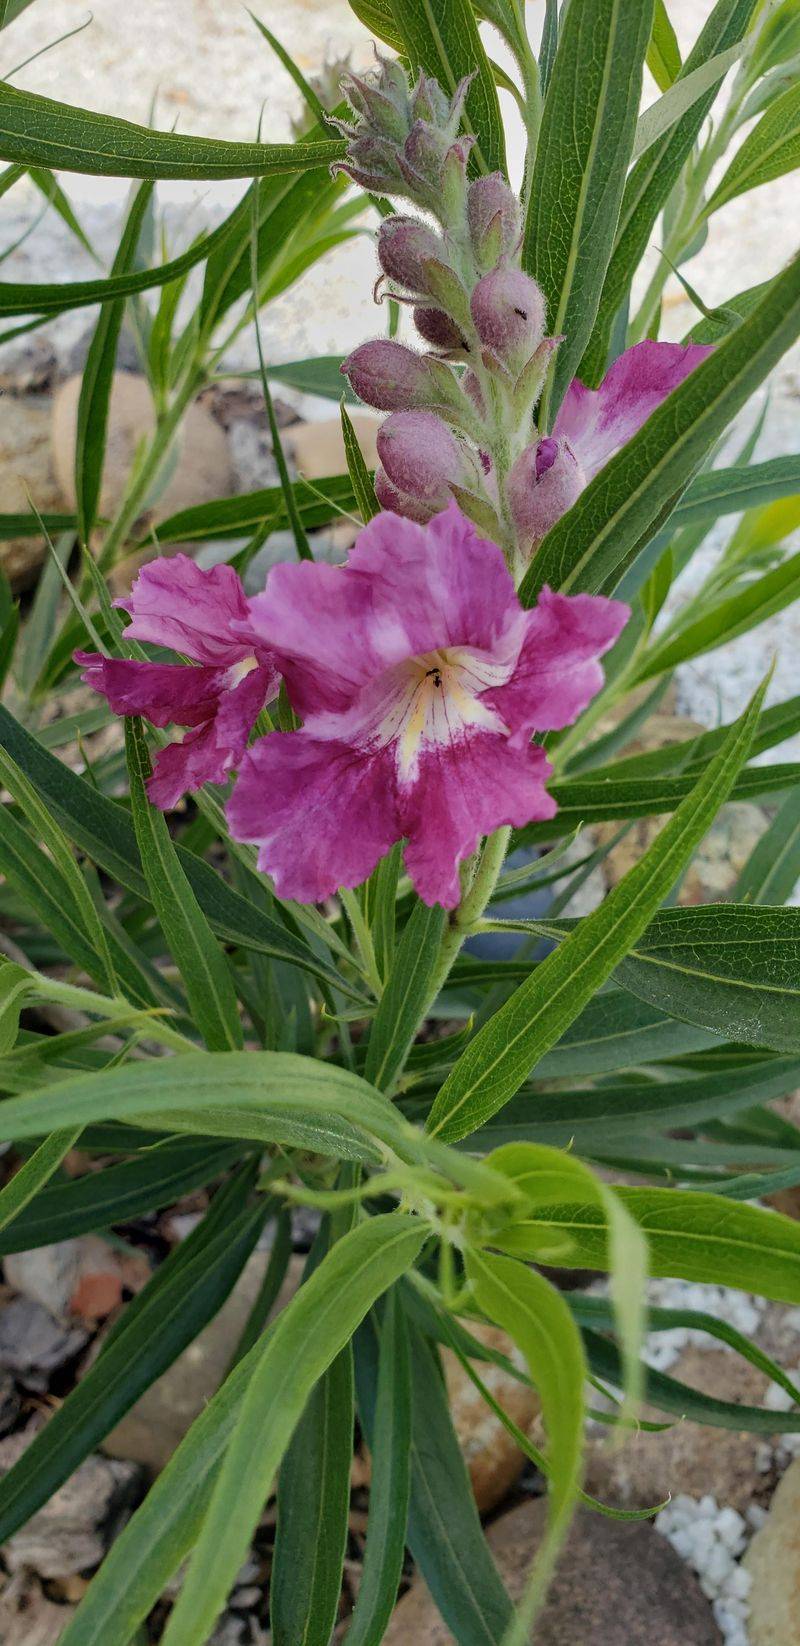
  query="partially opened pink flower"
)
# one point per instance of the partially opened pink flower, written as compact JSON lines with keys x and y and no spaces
{"x":597,"y":422}
{"x":203,"y":615}
{"x":420,"y":679}
{"x":591,"y":426}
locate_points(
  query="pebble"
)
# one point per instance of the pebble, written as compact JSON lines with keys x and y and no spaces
{"x":710,"y":1539}
{"x":773,"y":1565}
{"x":75,"y":1527}
{"x":33,"y":1344}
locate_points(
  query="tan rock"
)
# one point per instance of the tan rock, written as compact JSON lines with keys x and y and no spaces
{"x":616,"y":1585}
{"x":648,"y":1468}
{"x":200,"y":469}
{"x":773,"y":1561}
{"x":491,"y":1454}
{"x":27,"y":1617}
{"x":26,"y":473}
{"x":152,"y":1429}
{"x":723,"y":853}
{"x":317,"y":449}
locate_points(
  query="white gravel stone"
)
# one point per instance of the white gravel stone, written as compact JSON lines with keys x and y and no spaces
{"x":710,"y":1540}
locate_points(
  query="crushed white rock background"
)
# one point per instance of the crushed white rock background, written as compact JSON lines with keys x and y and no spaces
{"x":211,"y":75}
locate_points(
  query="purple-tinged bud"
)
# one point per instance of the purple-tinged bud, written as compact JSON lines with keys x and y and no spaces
{"x":422,"y":456}
{"x":429,"y":102}
{"x":404,"y":247}
{"x":387,"y":115}
{"x":544,"y":482}
{"x":493,"y":215}
{"x":372,"y":163}
{"x":508,"y":311}
{"x":439,"y":330}
{"x":389,"y":376}
{"x":423,"y":153}
{"x":413,"y":508}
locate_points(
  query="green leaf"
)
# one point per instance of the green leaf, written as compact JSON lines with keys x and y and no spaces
{"x":661,"y":116}
{"x":652,"y":179}
{"x":770,"y":150}
{"x":443,"y":39}
{"x":319,"y":374}
{"x":690,"y":1236}
{"x":773,"y":867}
{"x":630,"y":499}
{"x":538,"y":1320}
{"x":663,"y":52}
{"x":37,"y":131}
{"x":444,"y":1533}
{"x":32,"y":1175}
{"x":403,"y":1001}
{"x":761,"y":598}
{"x":618,"y":1031}
{"x":360,"y":478}
{"x":313,"y":1506}
{"x":503,"y":1052}
{"x":139,"y":1353}
{"x":602,"y":1118}
{"x":273,"y":1086}
{"x":99,"y":1200}
{"x":95,"y":395}
{"x":200,"y":961}
{"x":547,"y":1176}
{"x":390,"y":1484}
{"x":582,"y":156}
{"x":596,"y":798}
{"x":308,"y":1336}
{"x":103,"y":829}
{"x":669,"y":1395}
{"x":15,"y":989}
{"x":233,"y":516}
{"x":731,"y":968}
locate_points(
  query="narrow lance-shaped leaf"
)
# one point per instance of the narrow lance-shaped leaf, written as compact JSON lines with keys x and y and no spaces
{"x":582,"y":157}
{"x":202,"y":963}
{"x":390,"y":1447}
{"x":309,"y":1334}
{"x":95,"y":395}
{"x":506,"y":1049}
{"x":538,"y":1320}
{"x":37,"y":131}
{"x":771,"y":150}
{"x":651,"y":181}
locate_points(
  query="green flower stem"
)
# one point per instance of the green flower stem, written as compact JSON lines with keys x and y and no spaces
{"x":465,"y":920}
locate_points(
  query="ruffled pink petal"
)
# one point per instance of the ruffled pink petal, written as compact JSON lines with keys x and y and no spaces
{"x":165,"y":693}
{"x":597,"y":422}
{"x":321,"y":814}
{"x":211,"y":752}
{"x":558,"y":673}
{"x":463,"y":791}
{"x":406,"y":590}
{"x":179,"y":604}
{"x":442,"y":583}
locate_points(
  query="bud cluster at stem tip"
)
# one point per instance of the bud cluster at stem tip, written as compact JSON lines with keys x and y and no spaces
{"x":462,"y":408}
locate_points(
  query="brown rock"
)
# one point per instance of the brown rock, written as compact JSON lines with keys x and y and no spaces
{"x":152,"y":1429}
{"x":26,"y":468}
{"x":491,"y":1454}
{"x":616,"y":1585}
{"x":648,"y":1468}
{"x":317,"y":449}
{"x":773,"y":1561}
{"x":200,"y":471}
{"x":27,"y":1617}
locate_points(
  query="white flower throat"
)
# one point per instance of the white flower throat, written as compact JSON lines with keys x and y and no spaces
{"x":435,"y":700}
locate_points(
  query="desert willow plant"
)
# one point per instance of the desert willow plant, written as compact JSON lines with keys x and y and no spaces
{"x":275,"y":991}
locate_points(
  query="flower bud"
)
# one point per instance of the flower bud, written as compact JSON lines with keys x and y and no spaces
{"x":508,"y":311}
{"x":422,"y":456}
{"x":544,"y":482}
{"x":372,"y":163}
{"x":413,"y":508}
{"x":493,"y":216}
{"x":404,"y":247}
{"x":438,"y":329}
{"x":381,"y":100}
{"x":389,"y":376}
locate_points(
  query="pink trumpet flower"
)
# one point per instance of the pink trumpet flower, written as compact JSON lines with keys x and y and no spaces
{"x":597,"y":422}
{"x":203,"y":615}
{"x":420,"y":680}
